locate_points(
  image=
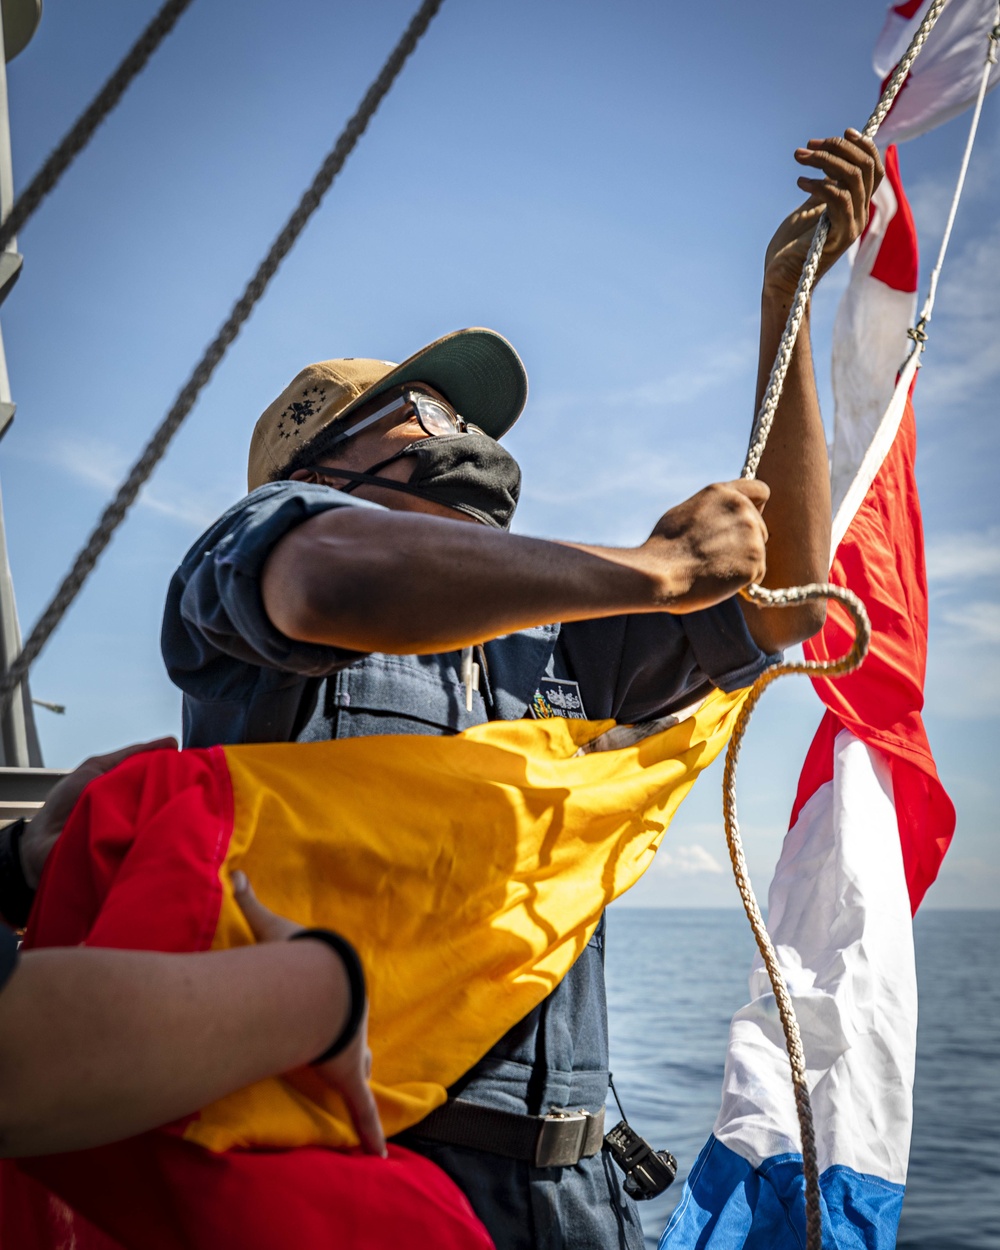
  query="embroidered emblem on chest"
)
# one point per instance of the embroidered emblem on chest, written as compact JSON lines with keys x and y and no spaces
{"x":556,"y":696}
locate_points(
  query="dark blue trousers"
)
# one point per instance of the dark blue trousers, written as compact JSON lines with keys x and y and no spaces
{"x":556,"y":1057}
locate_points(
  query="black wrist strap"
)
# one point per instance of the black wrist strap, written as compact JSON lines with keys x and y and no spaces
{"x":16,"y":896}
{"x":355,"y":979}
{"x":8,"y":954}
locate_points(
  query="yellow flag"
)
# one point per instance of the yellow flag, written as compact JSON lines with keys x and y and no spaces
{"x":469,"y":872}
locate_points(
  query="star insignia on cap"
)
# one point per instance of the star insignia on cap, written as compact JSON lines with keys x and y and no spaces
{"x":300,"y":410}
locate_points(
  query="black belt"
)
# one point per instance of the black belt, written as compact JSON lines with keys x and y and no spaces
{"x":557,"y":1140}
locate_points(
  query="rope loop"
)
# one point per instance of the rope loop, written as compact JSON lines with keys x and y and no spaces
{"x":794,"y":595}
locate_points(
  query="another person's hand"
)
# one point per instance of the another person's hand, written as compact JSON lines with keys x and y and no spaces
{"x":350,"y":1071}
{"x":713,"y":544}
{"x":42,"y":831}
{"x":852,"y":169}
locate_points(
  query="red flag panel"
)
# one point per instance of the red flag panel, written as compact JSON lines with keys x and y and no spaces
{"x":881,"y":558}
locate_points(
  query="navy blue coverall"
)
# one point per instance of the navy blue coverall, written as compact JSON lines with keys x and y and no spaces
{"x":243,"y":681}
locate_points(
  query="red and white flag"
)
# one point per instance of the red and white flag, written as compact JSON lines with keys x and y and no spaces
{"x":871,"y":820}
{"x":870,"y":338}
{"x":870,"y":825}
{"x":945,"y":77}
{"x":878,"y":540}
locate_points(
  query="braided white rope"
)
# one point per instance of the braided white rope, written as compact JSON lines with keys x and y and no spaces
{"x":831,"y":668}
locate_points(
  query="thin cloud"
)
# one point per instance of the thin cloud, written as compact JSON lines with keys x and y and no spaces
{"x":96,"y":464}
{"x":710,"y":369}
{"x":964,"y":557}
{"x":963,"y":674}
{"x":965,"y":882}
{"x":977,"y":621}
{"x":589,"y":477}
{"x":592,"y":468}
{"x":687,"y":861}
{"x":964,"y":359}
{"x":930,"y":198}
{"x":962,"y":355}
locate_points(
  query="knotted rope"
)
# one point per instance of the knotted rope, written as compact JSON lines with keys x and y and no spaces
{"x":831,"y":668}
{"x":82,"y":130}
{"x":114,"y":514}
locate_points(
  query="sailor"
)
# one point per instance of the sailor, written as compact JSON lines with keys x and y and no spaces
{"x":342,"y":597}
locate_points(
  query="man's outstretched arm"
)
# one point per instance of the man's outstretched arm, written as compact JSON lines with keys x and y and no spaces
{"x":795,"y":464}
{"x":407,"y":583}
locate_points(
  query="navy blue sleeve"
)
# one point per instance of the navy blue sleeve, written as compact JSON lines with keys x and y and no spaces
{"x":215,"y":629}
{"x":636,"y":668}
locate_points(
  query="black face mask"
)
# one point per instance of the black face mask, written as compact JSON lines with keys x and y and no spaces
{"x":468,"y":472}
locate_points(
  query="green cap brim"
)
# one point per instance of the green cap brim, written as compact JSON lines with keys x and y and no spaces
{"x":478,"y":372}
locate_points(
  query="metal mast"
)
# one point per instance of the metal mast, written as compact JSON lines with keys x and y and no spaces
{"x":19,"y":748}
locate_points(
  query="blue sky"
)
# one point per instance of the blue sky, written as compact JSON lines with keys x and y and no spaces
{"x":595,"y":181}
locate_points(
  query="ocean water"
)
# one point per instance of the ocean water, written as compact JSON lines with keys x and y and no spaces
{"x":676,"y":977}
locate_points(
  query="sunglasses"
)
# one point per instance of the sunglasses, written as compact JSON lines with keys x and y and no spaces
{"x":434,"y":416}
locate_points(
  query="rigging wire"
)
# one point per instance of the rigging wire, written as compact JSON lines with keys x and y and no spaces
{"x":82,"y":130}
{"x":919,"y":331}
{"x":115,"y":513}
{"x":801,"y":594}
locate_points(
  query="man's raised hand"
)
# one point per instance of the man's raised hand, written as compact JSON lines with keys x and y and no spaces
{"x":851,"y":169}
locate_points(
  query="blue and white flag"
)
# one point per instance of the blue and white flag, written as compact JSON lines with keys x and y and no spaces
{"x":839,"y":916}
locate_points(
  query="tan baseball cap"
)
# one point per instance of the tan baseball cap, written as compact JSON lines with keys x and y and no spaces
{"x":477,"y":370}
